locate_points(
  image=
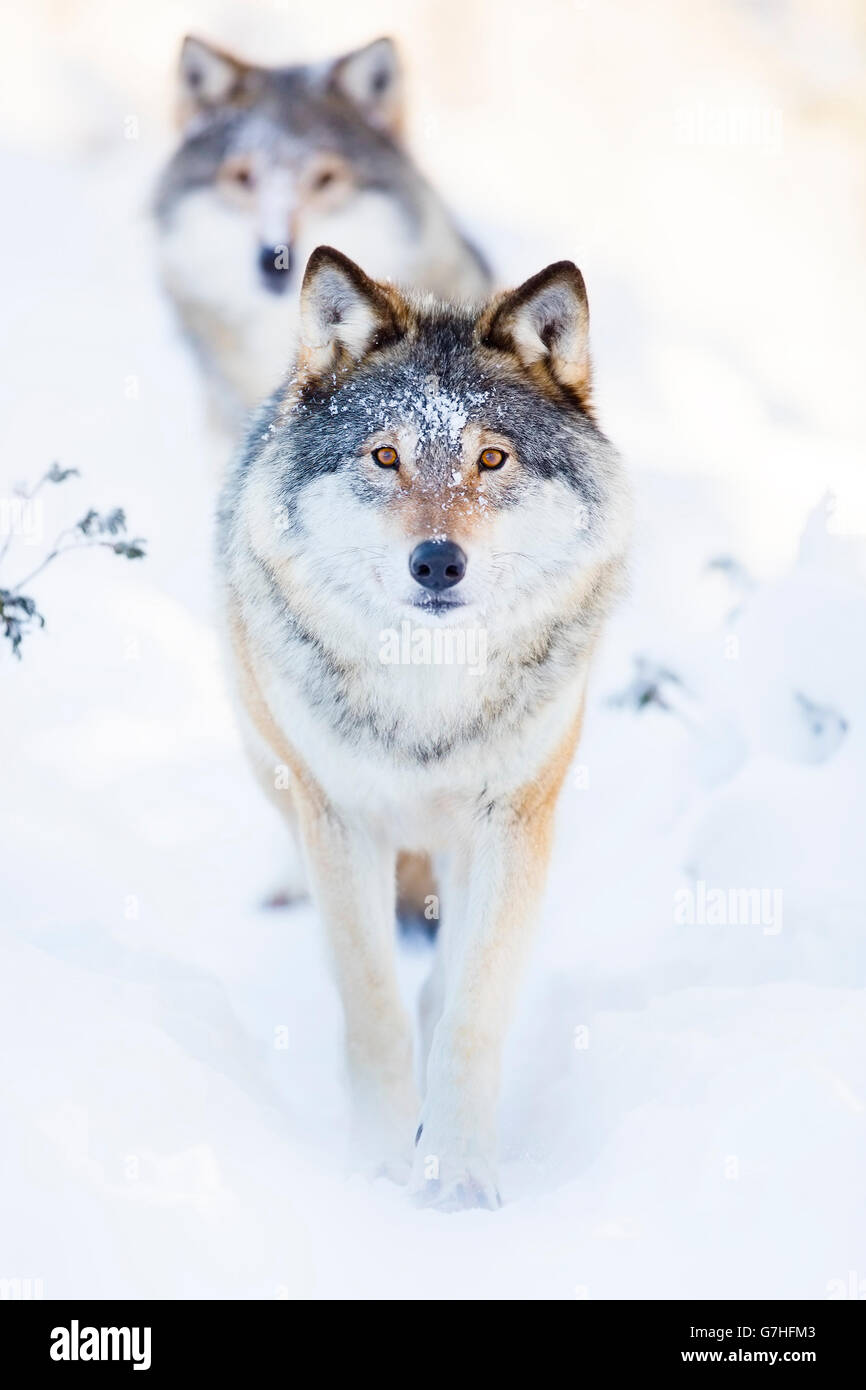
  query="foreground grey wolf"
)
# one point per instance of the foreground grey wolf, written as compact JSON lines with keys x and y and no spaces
{"x":437,"y":468}
{"x":272,"y":162}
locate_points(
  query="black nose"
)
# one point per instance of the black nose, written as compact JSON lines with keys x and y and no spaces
{"x":437,"y":564}
{"x":275,"y":265}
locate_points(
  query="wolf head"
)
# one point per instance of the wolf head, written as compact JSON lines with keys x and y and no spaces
{"x":277,"y":156}
{"x":274,"y":161}
{"x":434,"y":462}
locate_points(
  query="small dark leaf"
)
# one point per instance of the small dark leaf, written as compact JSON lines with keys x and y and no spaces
{"x":17,"y":611}
{"x":114,"y":521}
{"x":23,"y":602}
{"x":13,"y":632}
{"x":56,"y":474}
{"x":133,"y":550}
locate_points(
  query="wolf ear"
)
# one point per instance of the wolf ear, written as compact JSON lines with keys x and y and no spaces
{"x":372,"y":79}
{"x":344,"y":313}
{"x":546,"y":321}
{"x":209,"y":77}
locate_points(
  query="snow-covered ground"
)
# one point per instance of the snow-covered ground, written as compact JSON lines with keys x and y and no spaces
{"x":685,"y":1096}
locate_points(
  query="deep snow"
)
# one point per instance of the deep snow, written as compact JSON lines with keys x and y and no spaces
{"x":683,"y":1109}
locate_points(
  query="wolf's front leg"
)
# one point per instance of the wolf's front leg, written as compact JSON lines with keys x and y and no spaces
{"x":485,"y":945}
{"x":353,"y":882}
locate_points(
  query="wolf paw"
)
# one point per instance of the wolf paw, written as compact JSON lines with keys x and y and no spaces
{"x":454,"y":1185}
{"x":460,"y":1194}
{"x":377,"y":1155}
{"x":380,"y":1143}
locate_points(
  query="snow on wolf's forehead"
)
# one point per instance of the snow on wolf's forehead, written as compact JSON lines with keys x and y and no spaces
{"x":436,"y":411}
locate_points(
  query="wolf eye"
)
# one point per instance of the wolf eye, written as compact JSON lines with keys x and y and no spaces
{"x":386,"y":457}
{"x":327,"y":176}
{"x":492,"y":458}
{"x":238,"y":171}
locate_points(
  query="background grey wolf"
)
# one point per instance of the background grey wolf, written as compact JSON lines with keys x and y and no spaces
{"x":432,"y":465}
{"x":273,"y":161}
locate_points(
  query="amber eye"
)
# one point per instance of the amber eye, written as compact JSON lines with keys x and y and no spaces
{"x":492,"y":458}
{"x":386,"y":457}
{"x":326,"y":177}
